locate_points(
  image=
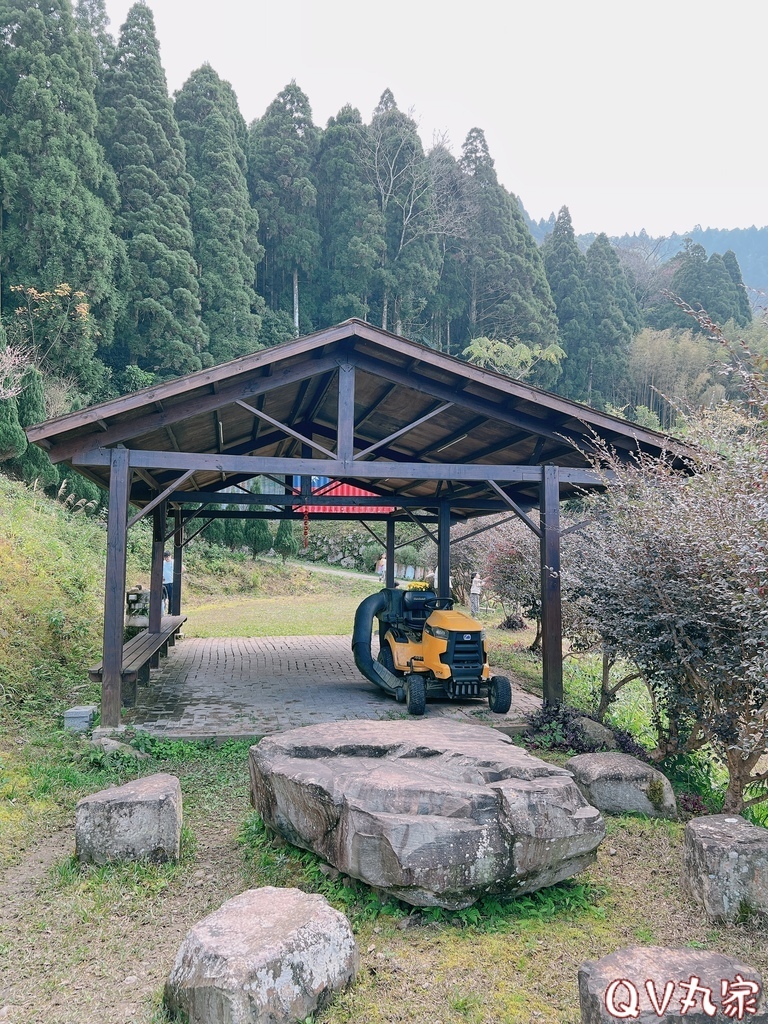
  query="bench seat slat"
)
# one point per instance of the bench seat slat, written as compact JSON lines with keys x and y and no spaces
{"x":140,"y":648}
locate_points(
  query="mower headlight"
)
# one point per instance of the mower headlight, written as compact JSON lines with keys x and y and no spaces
{"x":482,"y":634}
{"x":438,"y":631}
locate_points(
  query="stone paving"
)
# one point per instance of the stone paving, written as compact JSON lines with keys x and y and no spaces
{"x":250,"y":687}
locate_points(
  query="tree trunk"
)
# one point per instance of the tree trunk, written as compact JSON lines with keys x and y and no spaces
{"x":536,"y":645}
{"x":739,"y":775}
{"x":384,"y":311}
{"x":734,"y":794}
{"x":296,"y":301}
{"x":605,"y":689}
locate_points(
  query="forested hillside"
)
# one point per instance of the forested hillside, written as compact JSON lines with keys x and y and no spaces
{"x":143,"y":236}
{"x":749,"y":246}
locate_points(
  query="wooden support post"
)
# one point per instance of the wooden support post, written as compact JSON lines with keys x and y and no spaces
{"x":114,"y":587}
{"x":156,"y":576}
{"x":551,"y":607}
{"x":389,"y":575}
{"x":444,"y":550}
{"x":178,"y":554}
{"x":306,"y":481}
{"x":345,"y":443}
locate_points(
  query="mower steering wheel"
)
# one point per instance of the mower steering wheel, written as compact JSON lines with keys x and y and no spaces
{"x":439,"y":604}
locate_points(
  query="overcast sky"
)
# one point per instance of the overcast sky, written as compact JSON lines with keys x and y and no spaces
{"x":633,"y":115}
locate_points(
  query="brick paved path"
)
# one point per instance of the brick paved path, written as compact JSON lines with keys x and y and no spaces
{"x":246,"y":686}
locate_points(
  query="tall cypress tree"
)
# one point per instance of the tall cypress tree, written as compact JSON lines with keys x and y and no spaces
{"x":281,"y":153}
{"x":13,"y":440}
{"x":55,"y":221}
{"x":743,"y":314}
{"x":93,"y":22}
{"x":566,"y":270}
{"x":408,"y":269}
{"x":614,"y":320}
{"x":33,"y":463}
{"x":712,"y":284}
{"x":160,"y":329}
{"x":455,"y":213}
{"x":509,"y":296}
{"x":350,"y":222}
{"x":224,"y":223}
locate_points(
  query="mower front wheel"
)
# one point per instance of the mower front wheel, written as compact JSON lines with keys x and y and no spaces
{"x":415,"y":694}
{"x":500,"y":695}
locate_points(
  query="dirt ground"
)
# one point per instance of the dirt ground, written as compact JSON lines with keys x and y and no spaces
{"x":95,"y":947}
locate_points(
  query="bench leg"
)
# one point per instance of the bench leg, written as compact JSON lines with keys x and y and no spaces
{"x":129,"y":694}
{"x":143,"y":675}
{"x":154,"y":661}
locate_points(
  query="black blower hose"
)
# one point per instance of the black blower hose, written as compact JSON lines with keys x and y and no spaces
{"x":361,"y":643}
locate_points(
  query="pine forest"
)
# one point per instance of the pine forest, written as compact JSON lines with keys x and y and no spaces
{"x":144,"y":236}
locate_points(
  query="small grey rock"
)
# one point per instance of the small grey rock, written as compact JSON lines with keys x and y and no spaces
{"x":618,"y":783}
{"x":725,"y":866}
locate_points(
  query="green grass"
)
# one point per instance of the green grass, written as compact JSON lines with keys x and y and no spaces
{"x":509,"y":655}
{"x":307,"y":614}
{"x":273,"y":599}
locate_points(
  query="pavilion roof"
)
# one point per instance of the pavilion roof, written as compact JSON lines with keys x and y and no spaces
{"x":281,"y":406}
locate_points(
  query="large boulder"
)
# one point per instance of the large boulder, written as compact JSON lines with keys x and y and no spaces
{"x":434,"y":812}
{"x":138,"y":821}
{"x":267,"y":956}
{"x":725,"y":866}
{"x":649,"y":984}
{"x":598,"y":735}
{"x":617,"y":783}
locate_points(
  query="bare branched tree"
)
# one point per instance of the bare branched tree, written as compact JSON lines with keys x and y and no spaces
{"x":13,"y":362}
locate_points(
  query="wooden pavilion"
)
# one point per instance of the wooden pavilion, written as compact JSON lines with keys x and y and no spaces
{"x":432,"y":439}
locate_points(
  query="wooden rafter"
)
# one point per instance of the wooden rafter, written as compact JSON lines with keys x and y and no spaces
{"x":286,"y":429}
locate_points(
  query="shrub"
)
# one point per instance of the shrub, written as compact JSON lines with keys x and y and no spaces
{"x":672,"y":573}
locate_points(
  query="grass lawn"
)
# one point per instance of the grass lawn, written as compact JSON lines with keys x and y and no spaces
{"x":274,"y":616}
{"x":283,"y":600}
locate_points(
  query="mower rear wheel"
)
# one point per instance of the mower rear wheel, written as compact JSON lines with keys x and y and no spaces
{"x":415,"y":694}
{"x":500,"y":695}
{"x":386,"y":658}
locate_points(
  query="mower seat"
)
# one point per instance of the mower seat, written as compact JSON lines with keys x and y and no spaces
{"x":415,"y":613}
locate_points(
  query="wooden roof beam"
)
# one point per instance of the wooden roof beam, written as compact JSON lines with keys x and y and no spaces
{"x":159,"y":498}
{"x":287,"y":430}
{"x":452,"y":438}
{"x":404,"y":430}
{"x":72,"y":448}
{"x":486,"y":409}
{"x":515,"y":508}
{"x":256,"y":465}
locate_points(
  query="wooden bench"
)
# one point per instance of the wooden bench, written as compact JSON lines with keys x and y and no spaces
{"x":141,"y":653}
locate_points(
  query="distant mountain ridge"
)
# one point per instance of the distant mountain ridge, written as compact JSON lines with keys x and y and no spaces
{"x":750,"y":246}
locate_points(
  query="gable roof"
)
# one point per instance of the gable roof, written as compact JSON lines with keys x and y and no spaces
{"x":282,"y":403}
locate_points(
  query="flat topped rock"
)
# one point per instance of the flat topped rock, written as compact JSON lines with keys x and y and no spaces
{"x":140,"y":820}
{"x":725,"y":866}
{"x":266,"y":956}
{"x":653,"y":984}
{"x":434,"y":812}
{"x":617,"y":783}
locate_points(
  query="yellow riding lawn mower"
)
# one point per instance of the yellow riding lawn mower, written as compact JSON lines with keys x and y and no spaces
{"x":426,"y":649}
